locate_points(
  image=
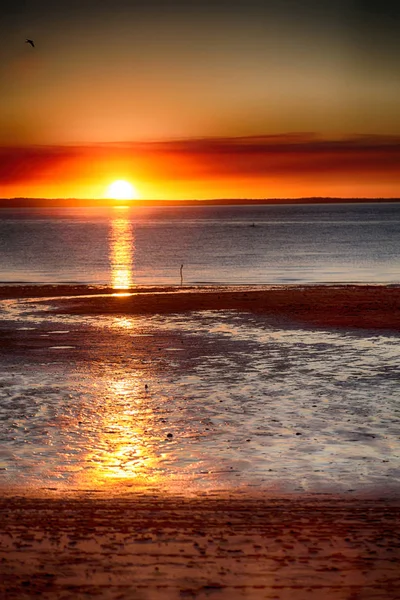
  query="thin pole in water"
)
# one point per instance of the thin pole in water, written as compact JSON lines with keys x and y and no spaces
{"x":181,"y":274}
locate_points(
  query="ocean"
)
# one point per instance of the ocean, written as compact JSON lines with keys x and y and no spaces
{"x":270,"y":244}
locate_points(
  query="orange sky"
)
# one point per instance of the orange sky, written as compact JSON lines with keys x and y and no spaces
{"x":246,"y":167}
{"x":199,"y":100}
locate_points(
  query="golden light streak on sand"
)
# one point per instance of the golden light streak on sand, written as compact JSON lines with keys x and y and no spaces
{"x":122,"y":246}
{"x":123,"y":453}
{"x":124,"y":322}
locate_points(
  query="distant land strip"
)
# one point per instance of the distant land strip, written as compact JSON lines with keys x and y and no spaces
{"x":101,"y":202}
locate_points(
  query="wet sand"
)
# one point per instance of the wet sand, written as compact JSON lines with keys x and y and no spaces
{"x":57,"y":545}
{"x":164,"y":548}
{"x":361,"y":306}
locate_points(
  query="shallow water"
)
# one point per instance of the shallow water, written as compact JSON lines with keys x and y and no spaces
{"x":89,"y":403}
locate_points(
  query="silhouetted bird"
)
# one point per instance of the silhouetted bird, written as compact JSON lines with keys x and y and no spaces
{"x":30,"y":42}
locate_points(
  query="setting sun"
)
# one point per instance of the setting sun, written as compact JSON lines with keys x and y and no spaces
{"x":121,"y":190}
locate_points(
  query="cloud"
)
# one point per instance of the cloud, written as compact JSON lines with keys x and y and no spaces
{"x":290,"y":155}
{"x":287,"y":155}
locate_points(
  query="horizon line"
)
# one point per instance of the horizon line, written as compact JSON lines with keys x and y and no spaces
{"x":136,"y":201}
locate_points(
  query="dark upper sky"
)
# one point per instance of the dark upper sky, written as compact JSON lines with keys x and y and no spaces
{"x":117,"y":69}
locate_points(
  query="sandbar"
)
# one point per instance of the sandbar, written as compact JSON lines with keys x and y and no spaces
{"x":344,"y":306}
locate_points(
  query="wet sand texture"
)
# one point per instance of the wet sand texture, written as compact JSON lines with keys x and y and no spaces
{"x":155,"y":548}
{"x":369,"y":307}
{"x":352,"y":306}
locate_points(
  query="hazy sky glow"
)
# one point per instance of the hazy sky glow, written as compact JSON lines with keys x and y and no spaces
{"x":199,"y":100}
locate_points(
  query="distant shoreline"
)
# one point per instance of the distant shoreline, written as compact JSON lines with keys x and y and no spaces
{"x":80,"y":202}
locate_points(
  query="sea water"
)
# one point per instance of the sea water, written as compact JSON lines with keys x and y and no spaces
{"x":122,"y":247}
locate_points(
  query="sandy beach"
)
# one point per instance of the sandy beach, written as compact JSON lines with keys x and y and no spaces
{"x":163,"y":548}
{"x":164,"y":541}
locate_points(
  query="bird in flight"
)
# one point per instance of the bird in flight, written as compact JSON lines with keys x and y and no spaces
{"x":30,"y":42}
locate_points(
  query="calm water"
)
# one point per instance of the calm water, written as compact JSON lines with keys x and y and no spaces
{"x":258,"y":244}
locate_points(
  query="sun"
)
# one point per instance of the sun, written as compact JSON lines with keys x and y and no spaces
{"x":121,"y":190}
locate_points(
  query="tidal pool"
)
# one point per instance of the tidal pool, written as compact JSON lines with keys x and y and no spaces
{"x":195,"y":403}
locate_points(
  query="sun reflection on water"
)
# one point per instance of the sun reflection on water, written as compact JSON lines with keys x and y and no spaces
{"x":124,"y":322}
{"x":122,"y":245}
{"x":123,"y":446}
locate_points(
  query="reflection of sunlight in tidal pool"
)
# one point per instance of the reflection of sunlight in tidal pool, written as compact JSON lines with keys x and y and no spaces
{"x":122,"y":447}
{"x":123,"y":323}
{"x":121,"y":253}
